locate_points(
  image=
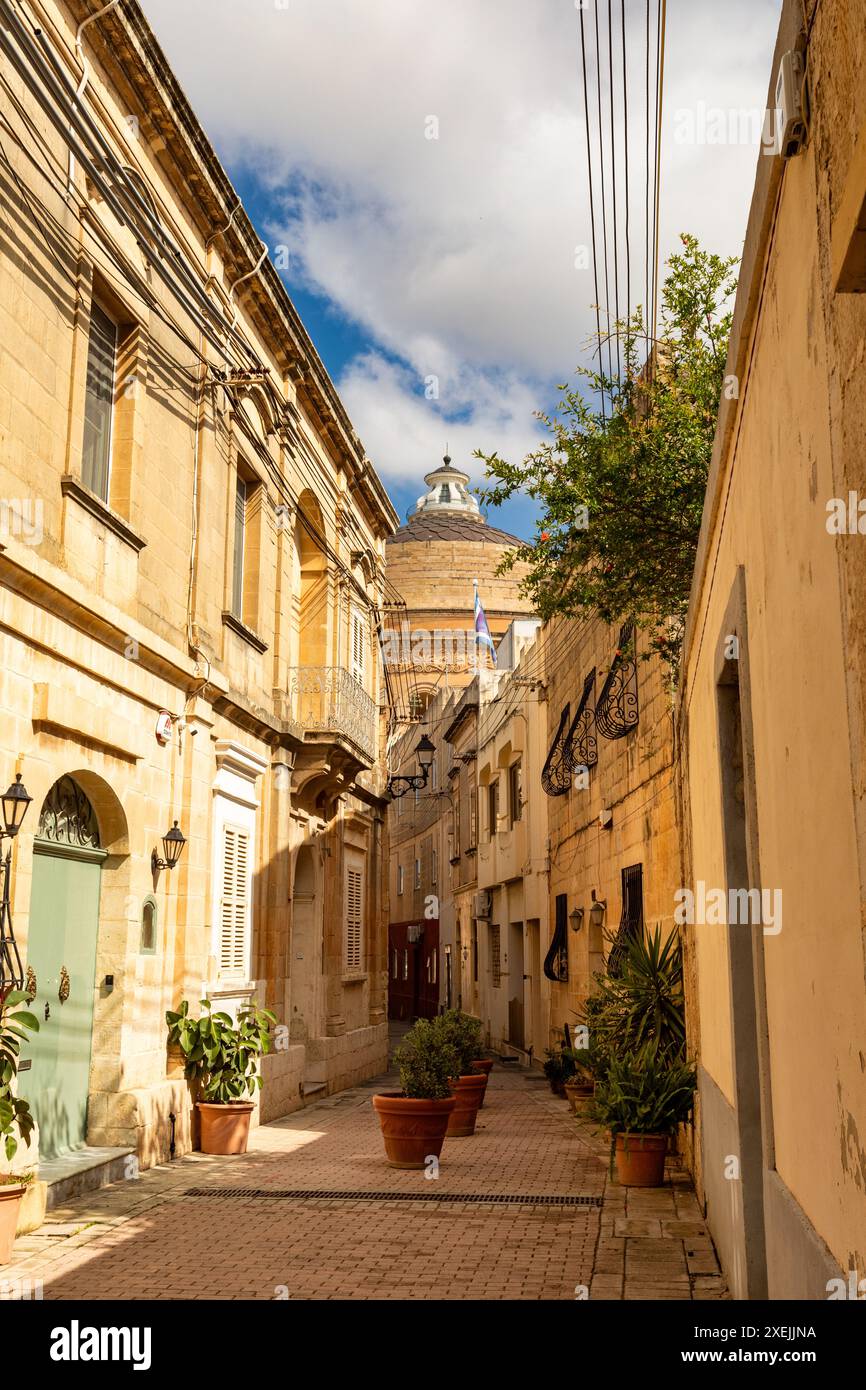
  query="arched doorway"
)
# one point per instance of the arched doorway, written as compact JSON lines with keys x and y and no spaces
{"x":306,"y":964}
{"x":61,"y":956}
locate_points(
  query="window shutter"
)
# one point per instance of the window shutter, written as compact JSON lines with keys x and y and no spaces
{"x":235,"y":902}
{"x":239,"y":548}
{"x":354,"y":917}
{"x":99,"y":401}
{"x":358,"y":638}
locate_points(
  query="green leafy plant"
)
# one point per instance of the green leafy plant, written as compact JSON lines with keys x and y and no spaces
{"x":463,"y":1032}
{"x":15,"y":1026}
{"x":644,"y":1004}
{"x":644,"y":1092}
{"x":222,"y":1055}
{"x":621,"y":479}
{"x":427,"y":1060}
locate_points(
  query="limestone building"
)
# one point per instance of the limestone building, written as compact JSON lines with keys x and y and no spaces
{"x":191,"y":570}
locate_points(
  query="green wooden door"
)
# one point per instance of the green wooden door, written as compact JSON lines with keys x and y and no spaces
{"x":61,"y":952}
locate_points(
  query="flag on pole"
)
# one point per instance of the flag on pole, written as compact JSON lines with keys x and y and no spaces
{"x":482,"y":631}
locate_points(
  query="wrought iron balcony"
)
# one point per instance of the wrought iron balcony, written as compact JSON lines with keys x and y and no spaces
{"x":328,"y":700}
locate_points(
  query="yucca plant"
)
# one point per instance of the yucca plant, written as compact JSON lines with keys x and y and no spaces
{"x":643,"y":1005}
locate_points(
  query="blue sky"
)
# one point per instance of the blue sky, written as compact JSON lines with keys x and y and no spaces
{"x":424,"y":171}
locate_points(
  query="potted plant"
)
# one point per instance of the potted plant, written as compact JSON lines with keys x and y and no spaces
{"x":485,"y":1066}
{"x":222,"y":1061}
{"x":558,"y":1068}
{"x":580,"y":1085}
{"x":463,"y":1032}
{"x":414,"y":1119}
{"x":15,"y":1115}
{"x":640,"y":1101}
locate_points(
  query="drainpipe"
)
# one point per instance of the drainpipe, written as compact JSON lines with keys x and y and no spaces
{"x":85,"y":68}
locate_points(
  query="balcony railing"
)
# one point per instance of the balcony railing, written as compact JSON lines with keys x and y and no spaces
{"x":328,"y":699}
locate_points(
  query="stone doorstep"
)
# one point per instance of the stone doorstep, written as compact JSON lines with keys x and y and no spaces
{"x":85,"y":1170}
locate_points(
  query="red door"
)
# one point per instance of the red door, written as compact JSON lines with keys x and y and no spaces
{"x":413,"y":969}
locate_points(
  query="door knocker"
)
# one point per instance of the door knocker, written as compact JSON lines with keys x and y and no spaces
{"x":63,"y":989}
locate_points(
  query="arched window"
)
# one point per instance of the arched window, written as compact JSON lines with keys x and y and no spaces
{"x":149,"y":911}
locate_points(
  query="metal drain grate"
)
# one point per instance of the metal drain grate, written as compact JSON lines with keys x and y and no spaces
{"x":508,"y":1199}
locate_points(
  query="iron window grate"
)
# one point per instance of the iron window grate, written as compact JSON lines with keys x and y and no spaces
{"x":510,"y":1199}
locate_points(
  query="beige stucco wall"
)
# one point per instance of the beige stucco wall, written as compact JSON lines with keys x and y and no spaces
{"x":793,"y":440}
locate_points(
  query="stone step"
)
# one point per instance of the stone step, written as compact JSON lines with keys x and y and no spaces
{"x":83,"y":1170}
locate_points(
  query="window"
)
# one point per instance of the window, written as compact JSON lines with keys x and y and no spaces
{"x":399,"y":878}
{"x":99,"y":402}
{"x":473,"y":818}
{"x":240,"y":538}
{"x":515,"y":793}
{"x":456,"y":845}
{"x":234,"y":912}
{"x":556,"y":960}
{"x":417,"y":873}
{"x":433,"y":968}
{"x":147,"y":945}
{"x":394,"y":967}
{"x":405,"y":962}
{"x":492,"y":808}
{"x":434,"y":866}
{"x":474,"y":950}
{"x":357,"y":655}
{"x":354,"y":917}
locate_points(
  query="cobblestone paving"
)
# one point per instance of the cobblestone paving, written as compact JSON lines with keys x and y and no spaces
{"x":147,"y":1239}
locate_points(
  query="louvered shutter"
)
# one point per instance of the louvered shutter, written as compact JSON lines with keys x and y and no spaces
{"x":354,"y":917}
{"x":358,"y":636}
{"x":235,"y":902}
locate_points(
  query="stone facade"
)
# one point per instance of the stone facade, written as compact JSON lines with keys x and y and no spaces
{"x":148,"y":597}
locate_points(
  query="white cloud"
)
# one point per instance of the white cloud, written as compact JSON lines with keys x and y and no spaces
{"x":456,"y":255}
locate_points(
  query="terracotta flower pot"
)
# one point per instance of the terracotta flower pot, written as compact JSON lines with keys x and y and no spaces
{"x":469,"y":1093}
{"x":225,"y":1129}
{"x":576,"y":1091}
{"x":640,"y":1159}
{"x":10,"y":1201}
{"x":485,"y":1066}
{"x":413,"y":1129}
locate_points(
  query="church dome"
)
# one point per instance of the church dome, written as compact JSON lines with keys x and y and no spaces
{"x":449,"y":512}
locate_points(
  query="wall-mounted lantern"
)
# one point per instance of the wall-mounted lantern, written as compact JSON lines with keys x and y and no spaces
{"x":597,"y":911}
{"x":575,"y":917}
{"x":15,"y":804}
{"x":172,"y":843}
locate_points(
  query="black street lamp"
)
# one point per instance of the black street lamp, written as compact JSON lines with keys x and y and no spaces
{"x":172,"y":843}
{"x":15,"y":804}
{"x":398,"y":786}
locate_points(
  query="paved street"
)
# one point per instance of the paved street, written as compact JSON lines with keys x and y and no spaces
{"x":150,"y":1238}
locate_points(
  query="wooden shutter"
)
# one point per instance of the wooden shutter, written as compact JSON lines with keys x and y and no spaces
{"x":239,"y":548}
{"x":358,"y":641}
{"x":354,"y":917}
{"x":99,"y":402}
{"x":235,"y":902}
